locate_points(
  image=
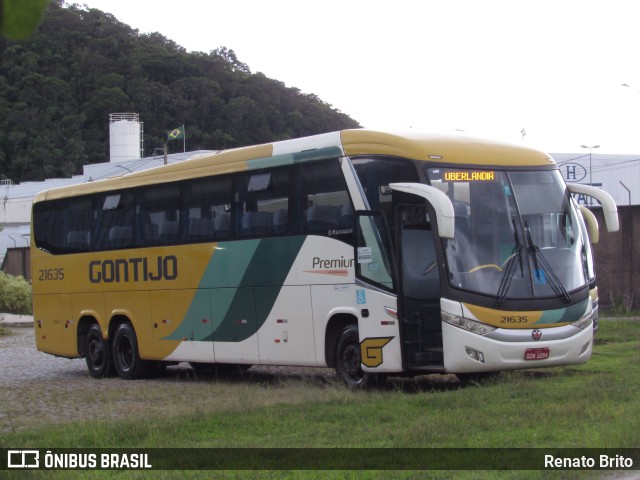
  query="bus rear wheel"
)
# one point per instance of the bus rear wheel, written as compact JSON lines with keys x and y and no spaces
{"x":348,"y":362}
{"x":126,"y":357}
{"x":98,"y":354}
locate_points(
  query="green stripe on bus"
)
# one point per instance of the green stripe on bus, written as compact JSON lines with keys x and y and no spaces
{"x":238,"y":289}
{"x":291,"y":158}
{"x":564,"y":315}
{"x":266,"y":273}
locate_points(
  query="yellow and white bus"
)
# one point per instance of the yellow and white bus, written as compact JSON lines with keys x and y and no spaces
{"x":372,"y":253}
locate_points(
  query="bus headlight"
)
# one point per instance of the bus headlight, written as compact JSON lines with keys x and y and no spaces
{"x":467,"y":324}
{"x":585,"y":320}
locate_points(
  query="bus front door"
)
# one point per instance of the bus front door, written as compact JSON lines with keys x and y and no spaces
{"x":419,"y":287}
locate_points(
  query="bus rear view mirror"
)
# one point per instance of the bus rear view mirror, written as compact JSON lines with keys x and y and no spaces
{"x":438,"y":200}
{"x":609,"y":208}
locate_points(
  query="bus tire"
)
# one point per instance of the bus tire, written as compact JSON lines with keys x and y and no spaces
{"x":98,"y":353}
{"x":348,"y":362}
{"x":125,"y":354}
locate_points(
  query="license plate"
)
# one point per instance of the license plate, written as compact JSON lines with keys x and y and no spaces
{"x":536,"y":353}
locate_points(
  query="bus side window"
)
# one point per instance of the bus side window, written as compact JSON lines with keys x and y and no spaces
{"x":78,"y":240}
{"x":375,"y":175}
{"x":64,"y":226}
{"x":264,"y":200}
{"x":78,"y":220}
{"x":325,"y":207}
{"x":159,"y":211}
{"x":116,"y":221}
{"x":208,"y":203}
{"x":47,"y":218}
{"x":168,"y":227}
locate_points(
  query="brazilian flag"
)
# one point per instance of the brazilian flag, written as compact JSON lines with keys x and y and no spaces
{"x":176,"y":133}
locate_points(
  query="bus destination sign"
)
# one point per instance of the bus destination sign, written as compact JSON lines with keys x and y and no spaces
{"x":469,"y":176}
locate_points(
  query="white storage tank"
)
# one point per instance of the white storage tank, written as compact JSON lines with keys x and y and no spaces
{"x":125,"y":137}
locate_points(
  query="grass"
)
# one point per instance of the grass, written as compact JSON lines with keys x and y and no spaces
{"x":588,"y":406}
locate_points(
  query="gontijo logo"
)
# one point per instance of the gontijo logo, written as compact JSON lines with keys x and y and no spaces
{"x":371,"y":351}
{"x":141,"y":269}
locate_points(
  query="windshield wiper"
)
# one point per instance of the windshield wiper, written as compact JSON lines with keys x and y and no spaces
{"x":537,"y":255}
{"x":509,"y":273}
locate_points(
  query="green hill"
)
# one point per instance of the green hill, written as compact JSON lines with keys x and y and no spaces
{"x":58,"y":87}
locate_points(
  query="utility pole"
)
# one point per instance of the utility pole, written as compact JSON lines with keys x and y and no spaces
{"x":590,"y":170}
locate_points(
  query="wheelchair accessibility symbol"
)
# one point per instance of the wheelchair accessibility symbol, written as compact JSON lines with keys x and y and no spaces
{"x":361,"y":297}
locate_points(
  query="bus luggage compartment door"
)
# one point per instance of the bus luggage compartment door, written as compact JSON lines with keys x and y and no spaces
{"x":54,"y":325}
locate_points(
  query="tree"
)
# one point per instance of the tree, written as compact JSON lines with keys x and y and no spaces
{"x":18,"y":19}
{"x":58,"y":87}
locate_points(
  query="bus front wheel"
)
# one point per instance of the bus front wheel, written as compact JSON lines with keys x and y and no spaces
{"x":98,"y":355}
{"x":126,"y":357}
{"x":348,"y":362}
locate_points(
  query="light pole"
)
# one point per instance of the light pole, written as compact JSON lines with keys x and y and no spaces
{"x":590,"y":170}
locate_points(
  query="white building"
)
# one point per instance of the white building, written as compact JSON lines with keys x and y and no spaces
{"x":618,"y":175}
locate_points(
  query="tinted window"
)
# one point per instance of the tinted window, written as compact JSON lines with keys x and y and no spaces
{"x":242,"y":205}
{"x":209,"y":209}
{"x":264,"y":203}
{"x":115,"y":217}
{"x":160,"y":212}
{"x":375,"y":175}
{"x":325,"y":208}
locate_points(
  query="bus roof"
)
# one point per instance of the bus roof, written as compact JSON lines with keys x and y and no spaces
{"x":441,"y":148}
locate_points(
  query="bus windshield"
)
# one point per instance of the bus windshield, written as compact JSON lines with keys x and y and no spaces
{"x":517,"y":234}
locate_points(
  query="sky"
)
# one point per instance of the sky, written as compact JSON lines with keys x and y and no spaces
{"x":545,"y":73}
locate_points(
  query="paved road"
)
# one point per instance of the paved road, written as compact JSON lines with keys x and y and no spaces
{"x":20,"y":361}
{"x":39,"y":388}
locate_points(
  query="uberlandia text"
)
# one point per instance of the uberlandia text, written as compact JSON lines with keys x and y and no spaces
{"x":139,"y":269}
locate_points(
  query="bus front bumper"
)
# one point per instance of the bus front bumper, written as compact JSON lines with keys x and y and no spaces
{"x":466,"y":352}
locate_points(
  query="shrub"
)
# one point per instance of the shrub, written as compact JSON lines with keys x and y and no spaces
{"x":15,"y":295}
{"x":621,"y":305}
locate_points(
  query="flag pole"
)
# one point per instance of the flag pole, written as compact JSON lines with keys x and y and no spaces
{"x":184,"y":139}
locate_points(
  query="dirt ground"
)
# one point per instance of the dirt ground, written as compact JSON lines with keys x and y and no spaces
{"x":36,"y":387}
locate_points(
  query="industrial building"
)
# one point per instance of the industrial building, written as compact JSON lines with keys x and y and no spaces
{"x":618,"y":175}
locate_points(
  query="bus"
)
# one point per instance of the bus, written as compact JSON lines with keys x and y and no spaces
{"x":377,"y":254}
